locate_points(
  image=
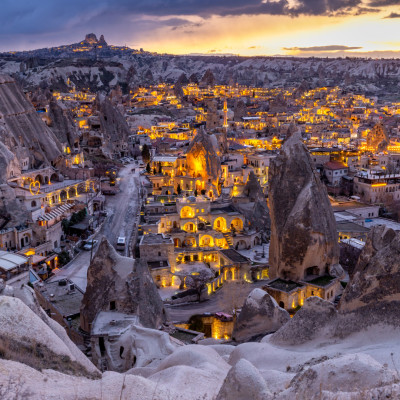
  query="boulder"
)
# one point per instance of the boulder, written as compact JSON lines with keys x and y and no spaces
{"x":315,"y":319}
{"x":260,"y":315}
{"x":244,"y":382}
{"x":303,"y":228}
{"x":121,"y":284}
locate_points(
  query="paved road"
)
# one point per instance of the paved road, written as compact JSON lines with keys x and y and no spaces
{"x":227,"y":298}
{"x":122,"y":210}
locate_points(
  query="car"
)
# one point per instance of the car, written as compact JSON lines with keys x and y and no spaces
{"x":91,"y":243}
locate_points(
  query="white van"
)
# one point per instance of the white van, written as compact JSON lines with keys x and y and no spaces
{"x":121,"y":243}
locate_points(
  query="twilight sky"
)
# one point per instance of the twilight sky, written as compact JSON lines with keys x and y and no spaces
{"x":245,"y":27}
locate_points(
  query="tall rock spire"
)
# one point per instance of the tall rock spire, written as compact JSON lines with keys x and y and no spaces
{"x":303,"y":228}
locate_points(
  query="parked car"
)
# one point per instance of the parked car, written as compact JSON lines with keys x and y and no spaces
{"x":90,"y":244}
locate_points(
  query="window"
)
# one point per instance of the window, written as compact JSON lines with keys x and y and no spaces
{"x":159,"y":254}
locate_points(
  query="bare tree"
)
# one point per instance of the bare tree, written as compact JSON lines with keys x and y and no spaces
{"x":199,"y":280}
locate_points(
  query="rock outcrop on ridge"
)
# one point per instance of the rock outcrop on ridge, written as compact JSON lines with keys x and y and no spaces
{"x":23,"y":134}
{"x":303,"y":227}
{"x":260,"y":315}
{"x":121,"y":284}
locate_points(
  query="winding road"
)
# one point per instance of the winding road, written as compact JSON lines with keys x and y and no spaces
{"x":121,"y":214}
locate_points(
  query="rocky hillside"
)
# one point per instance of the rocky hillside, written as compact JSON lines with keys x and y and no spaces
{"x":130,"y":68}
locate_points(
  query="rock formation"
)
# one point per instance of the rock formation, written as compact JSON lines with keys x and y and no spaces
{"x":202,"y":158}
{"x":24,"y":136}
{"x":375,"y":286}
{"x":122,"y":284}
{"x":378,"y":138}
{"x":208,"y":79}
{"x":303,"y":227}
{"x":62,"y":124}
{"x":253,"y":189}
{"x":114,"y":127}
{"x":260,"y":315}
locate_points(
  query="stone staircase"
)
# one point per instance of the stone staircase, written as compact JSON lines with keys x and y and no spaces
{"x":228,"y":239}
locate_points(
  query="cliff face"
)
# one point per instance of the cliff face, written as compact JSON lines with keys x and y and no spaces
{"x":303,"y":228}
{"x":120,"y":283}
{"x":22,"y":132}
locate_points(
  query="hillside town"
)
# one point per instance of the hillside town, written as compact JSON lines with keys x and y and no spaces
{"x":149,"y":218}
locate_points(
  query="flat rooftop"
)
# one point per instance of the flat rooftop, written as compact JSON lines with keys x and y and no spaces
{"x":59,"y":294}
{"x":112,"y":323}
{"x":155,"y":239}
{"x":348,"y":226}
{"x":234,"y":256}
{"x":284,"y":286}
{"x":350,"y":205}
{"x":322,"y":281}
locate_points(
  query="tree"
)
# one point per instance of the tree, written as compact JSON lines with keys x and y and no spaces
{"x":146,"y":154}
{"x":148,"y":169}
{"x":198,"y":280}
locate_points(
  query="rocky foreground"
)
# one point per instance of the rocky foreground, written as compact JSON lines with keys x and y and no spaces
{"x":321,"y":353}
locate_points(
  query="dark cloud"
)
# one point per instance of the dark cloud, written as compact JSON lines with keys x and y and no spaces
{"x":27,"y":24}
{"x":392,"y":15}
{"x":322,"y":48}
{"x":383,"y":3}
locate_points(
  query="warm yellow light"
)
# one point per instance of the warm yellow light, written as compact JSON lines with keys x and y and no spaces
{"x":378,"y":184}
{"x":34,"y":188}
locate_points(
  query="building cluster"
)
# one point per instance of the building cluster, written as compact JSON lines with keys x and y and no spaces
{"x":206,"y":151}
